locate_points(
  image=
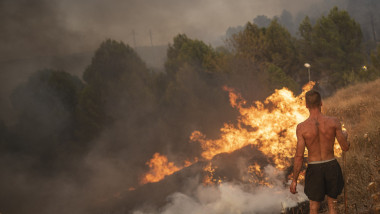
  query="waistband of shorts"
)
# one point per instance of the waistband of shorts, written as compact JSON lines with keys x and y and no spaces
{"x":319,"y":162}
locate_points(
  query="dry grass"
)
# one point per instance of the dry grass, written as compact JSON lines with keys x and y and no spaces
{"x":358,"y":107}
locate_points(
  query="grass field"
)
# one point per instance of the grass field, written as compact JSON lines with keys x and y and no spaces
{"x":358,"y":107}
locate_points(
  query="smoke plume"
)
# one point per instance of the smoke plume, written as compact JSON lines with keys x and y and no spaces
{"x":232,"y":198}
{"x":45,"y":172}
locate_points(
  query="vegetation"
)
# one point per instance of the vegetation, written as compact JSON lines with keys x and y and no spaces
{"x":129,"y":112}
{"x":358,"y":106}
{"x":333,"y":47}
{"x":46,"y":105}
{"x":116,"y":79}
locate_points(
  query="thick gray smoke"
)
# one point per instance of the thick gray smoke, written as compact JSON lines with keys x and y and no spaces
{"x":34,"y":35}
{"x":46,"y":175}
{"x":205,"y":20}
{"x":63,"y":34}
{"x":229,"y":198}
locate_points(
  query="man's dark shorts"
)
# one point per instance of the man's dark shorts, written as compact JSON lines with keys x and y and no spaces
{"x":323,"y":179}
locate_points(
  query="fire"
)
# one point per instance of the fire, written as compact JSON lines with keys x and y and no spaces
{"x":159,"y":168}
{"x":337,"y":150}
{"x":301,"y":176}
{"x":272,"y":126}
{"x":269,"y":125}
{"x":210,"y":172}
{"x":257,"y":176}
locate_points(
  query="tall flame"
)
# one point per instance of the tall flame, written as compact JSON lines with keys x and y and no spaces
{"x":270,"y":125}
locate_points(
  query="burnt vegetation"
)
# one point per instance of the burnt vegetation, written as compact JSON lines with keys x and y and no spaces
{"x":94,"y":133}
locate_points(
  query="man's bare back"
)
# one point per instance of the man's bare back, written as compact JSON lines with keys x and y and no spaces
{"x":319,"y":133}
{"x":323,"y":175}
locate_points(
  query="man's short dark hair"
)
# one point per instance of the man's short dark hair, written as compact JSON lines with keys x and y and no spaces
{"x":313,"y":99}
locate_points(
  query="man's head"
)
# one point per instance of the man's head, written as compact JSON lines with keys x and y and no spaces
{"x":313,"y":99}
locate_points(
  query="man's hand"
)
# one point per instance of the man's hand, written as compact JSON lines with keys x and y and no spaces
{"x":293,"y":187}
{"x":345,"y":134}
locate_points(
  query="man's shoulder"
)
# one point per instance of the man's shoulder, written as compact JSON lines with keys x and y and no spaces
{"x":301,"y":125}
{"x":332,"y":120}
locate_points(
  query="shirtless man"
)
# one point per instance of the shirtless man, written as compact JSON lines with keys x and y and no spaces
{"x":323,"y":174}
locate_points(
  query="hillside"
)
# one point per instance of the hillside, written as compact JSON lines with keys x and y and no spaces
{"x":358,"y":107}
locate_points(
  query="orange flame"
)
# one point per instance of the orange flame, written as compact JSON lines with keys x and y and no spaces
{"x":209,"y":177}
{"x":301,"y":176}
{"x":269,"y":125}
{"x":272,"y":126}
{"x":256,"y":175}
{"x":159,"y":168}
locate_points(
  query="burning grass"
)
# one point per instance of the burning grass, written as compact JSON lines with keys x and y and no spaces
{"x":268,"y":125}
{"x":358,"y":107}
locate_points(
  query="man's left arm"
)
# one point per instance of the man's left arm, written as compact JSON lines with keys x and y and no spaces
{"x":298,"y":159}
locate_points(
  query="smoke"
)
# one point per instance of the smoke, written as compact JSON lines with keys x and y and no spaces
{"x":232,"y":198}
{"x":62,"y":34}
{"x":205,"y":20}
{"x":34,"y":36}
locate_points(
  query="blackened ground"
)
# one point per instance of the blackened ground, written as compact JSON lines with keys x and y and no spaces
{"x":228,"y":167}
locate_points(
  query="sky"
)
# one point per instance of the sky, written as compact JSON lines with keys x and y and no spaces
{"x":51,"y":27}
{"x":206,"y":20}
{"x":38,"y":34}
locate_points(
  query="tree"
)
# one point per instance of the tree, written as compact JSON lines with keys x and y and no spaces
{"x":249,"y":43}
{"x":189,"y":63}
{"x":46,"y":106}
{"x":336,"y":46}
{"x":280,"y":48}
{"x":278,"y":79}
{"x":305,"y":30}
{"x":375,"y":58}
{"x":191,"y":52}
{"x":112,"y":60}
{"x":267,"y":46}
{"x":374,"y":70}
{"x":117,"y":83}
{"x":192,"y":91}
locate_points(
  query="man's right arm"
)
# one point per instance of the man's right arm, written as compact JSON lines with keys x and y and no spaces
{"x":298,"y":159}
{"x":341,"y":135}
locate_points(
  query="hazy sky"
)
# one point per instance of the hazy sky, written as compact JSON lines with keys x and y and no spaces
{"x":37,"y":34}
{"x":207,"y":20}
{"x":32,"y":28}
